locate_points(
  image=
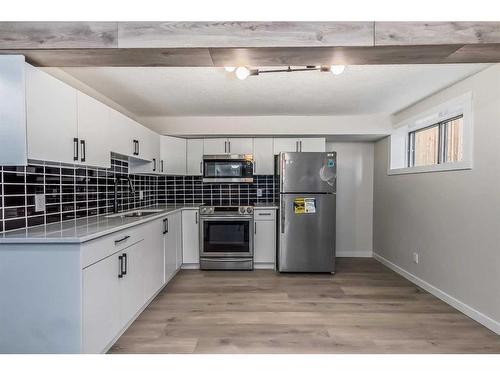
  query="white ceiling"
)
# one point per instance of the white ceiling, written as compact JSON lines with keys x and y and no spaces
{"x":214,"y":92}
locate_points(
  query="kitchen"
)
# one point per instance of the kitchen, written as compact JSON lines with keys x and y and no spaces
{"x":239,"y":219}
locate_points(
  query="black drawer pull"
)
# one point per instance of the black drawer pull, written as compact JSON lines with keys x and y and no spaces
{"x":264,"y":214}
{"x":121,"y":240}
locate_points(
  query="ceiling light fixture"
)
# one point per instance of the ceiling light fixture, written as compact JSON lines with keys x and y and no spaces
{"x":243,"y":72}
{"x":337,"y":69}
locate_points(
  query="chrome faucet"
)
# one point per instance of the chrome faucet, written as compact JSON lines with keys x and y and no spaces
{"x":131,"y":186}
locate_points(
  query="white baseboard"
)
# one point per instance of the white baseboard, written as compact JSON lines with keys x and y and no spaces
{"x":263,"y":266}
{"x":190,"y":266}
{"x":459,"y":305}
{"x":354,"y":254}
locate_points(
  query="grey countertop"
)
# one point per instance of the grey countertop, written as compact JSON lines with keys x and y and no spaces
{"x":85,"y":229}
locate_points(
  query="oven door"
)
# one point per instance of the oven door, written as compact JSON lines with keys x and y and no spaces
{"x":217,"y":169}
{"x":226,"y":237}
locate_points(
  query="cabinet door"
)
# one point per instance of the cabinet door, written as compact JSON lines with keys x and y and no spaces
{"x":153,"y":258}
{"x":312,"y":145}
{"x":170,"y":247}
{"x":285,"y":145}
{"x":177,"y":229}
{"x":215,"y":146}
{"x":190,"y":237}
{"x":51,"y":117}
{"x":240,"y":146}
{"x":94,"y":130}
{"x":132,"y":283}
{"x":173,"y":151}
{"x":194,"y":157}
{"x":122,"y":129}
{"x":264,"y":241}
{"x":263,"y":156}
{"x":101,"y":304}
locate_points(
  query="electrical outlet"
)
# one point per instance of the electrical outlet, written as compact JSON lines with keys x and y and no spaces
{"x":39,"y":202}
{"x":141,"y":194}
{"x":415,"y":258}
{"x":259,"y":192}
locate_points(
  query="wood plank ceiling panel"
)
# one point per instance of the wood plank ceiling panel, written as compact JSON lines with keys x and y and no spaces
{"x":243,"y":34}
{"x":331,"y":55}
{"x":49,"y":35}
{"x":425,"y":33}
{"x":139,"y":57}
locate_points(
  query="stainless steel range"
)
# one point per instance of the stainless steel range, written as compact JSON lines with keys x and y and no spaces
{"x":226,"y":238}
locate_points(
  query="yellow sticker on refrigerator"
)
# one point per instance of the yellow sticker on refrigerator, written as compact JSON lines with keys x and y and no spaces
{"x":304,"y":205}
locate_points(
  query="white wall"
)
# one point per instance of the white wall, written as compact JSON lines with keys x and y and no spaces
{"x":354,"y":197}
{"x":452,"y":218}
{"x":270,"y":125}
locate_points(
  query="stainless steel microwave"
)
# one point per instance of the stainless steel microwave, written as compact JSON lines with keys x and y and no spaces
{"x":227,"y":168}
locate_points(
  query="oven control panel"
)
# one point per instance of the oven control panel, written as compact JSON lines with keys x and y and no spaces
{"x":226,"y":210}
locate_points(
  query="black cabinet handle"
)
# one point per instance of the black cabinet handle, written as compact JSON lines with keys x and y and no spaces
{"x":82,"y":142}
{"x":154,"y":165}
{"x":124,"y":255}
{"x":162,"y":166}
{"x":120,"y":266}
{"x":121,"y":240}
{"x":138,"y":149}
{"x":165,"y":225}
{"x":75,"y":149}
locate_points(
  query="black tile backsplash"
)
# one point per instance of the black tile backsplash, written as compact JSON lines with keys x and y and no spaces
{"x":191,"y":189}
{"x":74,"y":192}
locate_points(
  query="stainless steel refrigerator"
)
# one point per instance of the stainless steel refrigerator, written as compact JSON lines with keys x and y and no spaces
{"x":306,"y":223}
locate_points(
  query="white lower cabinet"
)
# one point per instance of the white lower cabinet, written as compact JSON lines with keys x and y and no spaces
{"x":264,"y":238}
{"x":172,"y":229}
{"x":118,"y":286}
{"x":101,"y":304}
{"x":190,"y":237}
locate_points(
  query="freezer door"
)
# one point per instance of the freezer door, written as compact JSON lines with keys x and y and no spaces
{"x":306,"y":240}
{"x":308,"y":172}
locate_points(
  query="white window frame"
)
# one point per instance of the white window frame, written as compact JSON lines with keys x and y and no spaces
{"x":398,"y":141}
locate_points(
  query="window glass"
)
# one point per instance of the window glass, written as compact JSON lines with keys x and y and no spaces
{"x":453,"y":144}
{"x":426,"y":146}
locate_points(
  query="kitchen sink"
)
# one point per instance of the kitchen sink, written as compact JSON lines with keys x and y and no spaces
{"x":136,"y":213}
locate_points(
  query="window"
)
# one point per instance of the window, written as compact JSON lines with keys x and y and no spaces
{"x":436,"y":144}
{"x":439,"y":138}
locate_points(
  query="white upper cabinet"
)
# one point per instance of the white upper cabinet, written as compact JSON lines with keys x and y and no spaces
{"x":122,"y":131}
{"x":263,"y":156}
{"x":312,"y":145}
{"x":93,"y":132}
{"x":173,"y":154}
{"x":299,"y":145}
{"x":215,"y":146}
{"x":194,"y":157}
{"x":51,"y":117}
{"x":240,"y":145}
{"x":285,"y":145}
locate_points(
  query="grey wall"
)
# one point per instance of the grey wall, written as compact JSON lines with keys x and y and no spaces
{"x":451,"y":218}
{"x":354,"y":197}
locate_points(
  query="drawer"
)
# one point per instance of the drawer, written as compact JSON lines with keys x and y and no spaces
{"x":264,"y":214}
{"x":95,"y":250}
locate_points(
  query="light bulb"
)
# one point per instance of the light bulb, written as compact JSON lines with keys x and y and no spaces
{"x":337,"y":69}
{"x":229,"y":68}
{"x":242,"y":72}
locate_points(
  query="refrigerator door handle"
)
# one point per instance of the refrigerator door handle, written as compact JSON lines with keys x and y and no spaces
{"x":282,"y":209}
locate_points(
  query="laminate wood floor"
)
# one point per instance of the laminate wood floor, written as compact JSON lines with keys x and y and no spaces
{"x":363,"y":308}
